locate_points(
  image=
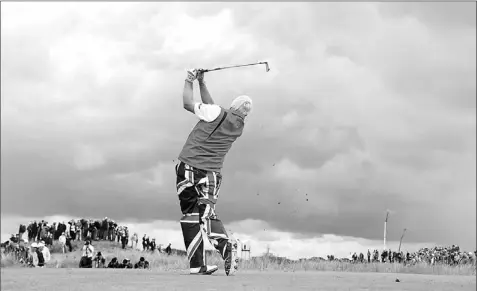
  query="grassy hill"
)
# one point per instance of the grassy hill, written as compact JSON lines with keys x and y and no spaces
{"x":177,"y":261}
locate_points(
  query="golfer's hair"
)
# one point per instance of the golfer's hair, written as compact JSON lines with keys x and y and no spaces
{"x":242,"y":103}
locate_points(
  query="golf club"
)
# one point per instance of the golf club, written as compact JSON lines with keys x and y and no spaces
{"x":267,"y":68}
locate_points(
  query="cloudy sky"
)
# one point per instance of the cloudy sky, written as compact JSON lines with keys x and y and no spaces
{"x":368,"y":107}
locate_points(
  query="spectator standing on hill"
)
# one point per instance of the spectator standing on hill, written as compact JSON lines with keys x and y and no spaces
{"x":198,"y":173}
{"x":21,"y":230}
{"x":169,"y":250}
{"x":72,"y":230}
{"x":97,"y":228}
{"x":30,"y":231}
{"x":144,"y":244}
{"x":148,"y":243}
{"x":43,"y":232}
{"x":383,"y":256}
{"x":121,"y":233}
{"x":117,"y":234}
{"x":41,"y":225}
{"x":134,"y":241}
{"x":369,"y":256}
{"x":112,"y":230}
{"x":78,"y":230}
{"x":123,"y":240}
{"x":36,"y":230}
{"x":88,"y":230}
{"x":61,"y":228}
{"x":91,"y":229}
{"x":68,"y":244}
{"x":104,"y":228}
{"x":126,"y":232}
{"x":84,"y":228}
{"x":67,"y":228}
{"x":52,"y":230}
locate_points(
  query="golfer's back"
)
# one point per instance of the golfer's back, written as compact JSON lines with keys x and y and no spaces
{"x":209,"y":142}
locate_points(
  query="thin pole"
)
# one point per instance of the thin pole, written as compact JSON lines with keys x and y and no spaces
{"x":385,"y":229}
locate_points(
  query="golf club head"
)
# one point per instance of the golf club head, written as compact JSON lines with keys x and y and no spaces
{"x":267,"y":68}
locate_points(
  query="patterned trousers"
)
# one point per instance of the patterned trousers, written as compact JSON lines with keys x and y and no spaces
{"x":198,"y":192}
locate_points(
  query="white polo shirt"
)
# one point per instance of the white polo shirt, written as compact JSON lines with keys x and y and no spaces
{"x":207,"y":112}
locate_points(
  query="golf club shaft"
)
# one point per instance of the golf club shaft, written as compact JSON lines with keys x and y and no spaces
{"x":235,"y":66}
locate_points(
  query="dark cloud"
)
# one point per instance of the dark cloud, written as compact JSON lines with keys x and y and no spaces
{"x":436,"y":15}
{"x":365,"y":112}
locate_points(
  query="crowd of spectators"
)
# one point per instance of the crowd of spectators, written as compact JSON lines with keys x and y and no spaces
{"x":451,"y":255}
{"x":32,"y":242}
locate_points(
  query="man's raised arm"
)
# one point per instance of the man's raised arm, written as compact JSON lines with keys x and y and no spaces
{"x":204,"y":93}
{"x":188,"y":95}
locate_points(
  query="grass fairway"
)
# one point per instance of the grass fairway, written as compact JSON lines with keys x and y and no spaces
{"x":25,"y":279}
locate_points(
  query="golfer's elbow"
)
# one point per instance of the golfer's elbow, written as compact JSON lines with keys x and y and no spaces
{"x":207,"y":99}
{"x":189,"y":107}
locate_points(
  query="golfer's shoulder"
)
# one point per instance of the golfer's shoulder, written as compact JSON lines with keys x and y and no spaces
{"x":207,"y":112}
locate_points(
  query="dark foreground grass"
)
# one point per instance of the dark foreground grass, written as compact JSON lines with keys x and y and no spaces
{"x":22,"y":279}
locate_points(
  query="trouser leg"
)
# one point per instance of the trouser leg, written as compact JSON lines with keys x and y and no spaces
{"x":217,"y":235}
{"x":208,"y":189}
{"x":194,"y":234}
{"x":194,"y":242}
{"x":198,"y":193}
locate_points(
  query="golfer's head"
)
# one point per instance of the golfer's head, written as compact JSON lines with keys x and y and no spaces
{"x":242,"y":104}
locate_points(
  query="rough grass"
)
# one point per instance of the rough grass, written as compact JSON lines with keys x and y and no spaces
{"x":163,"y":262}
{"x":7,"y":261}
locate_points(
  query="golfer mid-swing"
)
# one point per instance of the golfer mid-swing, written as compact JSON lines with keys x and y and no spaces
{"x":199,"y":178}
